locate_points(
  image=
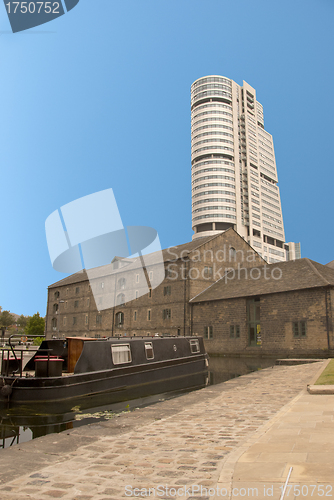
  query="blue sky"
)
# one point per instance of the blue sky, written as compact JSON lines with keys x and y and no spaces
{"x":100,"y":98}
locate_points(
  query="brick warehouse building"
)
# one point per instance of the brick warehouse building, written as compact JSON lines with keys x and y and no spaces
{"x":73,"y":309}
{"x":282,"y":309}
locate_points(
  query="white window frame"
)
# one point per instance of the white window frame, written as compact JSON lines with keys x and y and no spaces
{"x":117,"y":349}
{"x":148,"y":347}
{"x":194,"y":344}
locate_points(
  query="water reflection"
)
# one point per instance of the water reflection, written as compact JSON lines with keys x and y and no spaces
{"x":225,"y":368}
{"x":18,"y":425}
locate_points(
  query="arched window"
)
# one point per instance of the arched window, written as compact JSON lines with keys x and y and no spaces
{"x":120,"y":299}
{"x":55,"y":308}
{"x":233,"y":254}
{"x":119,"y":319}
{"x":121,"y":284}
{"x":54,"y":323}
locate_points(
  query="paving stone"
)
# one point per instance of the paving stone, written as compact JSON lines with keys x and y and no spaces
{"x":107,"y":498}
{"x":198,"y":498}
{"x":184,"y":441}
{"x":62,"y":486}
{"x":111,"y":491}
{"x":38,"y":482}
{"x":54,"y":493}
{"x":42,"y":476}
{"x":82,"y":497}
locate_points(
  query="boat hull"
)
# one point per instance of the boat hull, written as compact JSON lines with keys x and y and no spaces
{"x":116,"y":385}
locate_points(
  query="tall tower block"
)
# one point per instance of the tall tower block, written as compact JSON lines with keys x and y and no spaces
{"x":234,"y":175}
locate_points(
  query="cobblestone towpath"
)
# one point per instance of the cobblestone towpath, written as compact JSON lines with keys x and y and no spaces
{"x":173,"y":449}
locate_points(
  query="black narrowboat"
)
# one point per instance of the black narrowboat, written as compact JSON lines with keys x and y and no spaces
{"x":117,"y":369}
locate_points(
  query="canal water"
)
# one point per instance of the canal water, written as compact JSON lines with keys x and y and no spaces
{"x":18,"y":429}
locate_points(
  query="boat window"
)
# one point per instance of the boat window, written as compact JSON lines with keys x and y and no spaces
{"x":121,"y":354}
{"x":194,"y":346}
{"x":149,"y":350}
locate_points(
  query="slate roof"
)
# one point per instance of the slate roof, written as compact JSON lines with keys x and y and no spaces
{"x":72,"y":279}
{"x":331,"y":264}
{"x":168,"y":254}
{"x":181,"y":250}
{"x":292,"y":275}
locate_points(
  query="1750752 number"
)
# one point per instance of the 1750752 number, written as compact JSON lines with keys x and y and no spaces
{"x":304,"y":490}
{"x":33,"y":7}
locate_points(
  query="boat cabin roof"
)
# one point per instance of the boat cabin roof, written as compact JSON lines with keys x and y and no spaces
{"x":122,"y":352}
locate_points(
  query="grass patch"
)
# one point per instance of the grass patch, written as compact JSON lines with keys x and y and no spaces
{"x":327,"y":376}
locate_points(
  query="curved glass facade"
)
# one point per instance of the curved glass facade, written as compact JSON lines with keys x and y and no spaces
{"x":233,"y":155}
{"x":212,"y":134}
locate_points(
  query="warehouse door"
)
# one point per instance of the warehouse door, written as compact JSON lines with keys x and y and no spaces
{"x":254,"y":325}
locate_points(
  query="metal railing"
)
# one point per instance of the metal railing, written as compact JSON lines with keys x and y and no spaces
{"x":6,"y":365}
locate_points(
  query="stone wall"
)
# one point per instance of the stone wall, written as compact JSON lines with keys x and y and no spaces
{"x":189,"y":274}
{"x":278,"y":313}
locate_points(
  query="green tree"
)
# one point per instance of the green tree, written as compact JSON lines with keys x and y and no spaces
{"x":35,"y":325}
{"x":22,"y":321}
{"x":6,"y":319}
{"x":38,"y":340}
